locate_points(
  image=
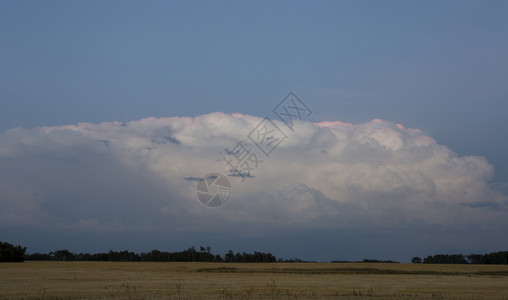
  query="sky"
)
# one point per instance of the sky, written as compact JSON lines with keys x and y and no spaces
{"x":111,"y":111}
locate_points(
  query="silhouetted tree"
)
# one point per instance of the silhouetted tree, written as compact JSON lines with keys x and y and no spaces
{"x":416,"y":260}
{"x":11,"y":253}
{"x":229,"y":257}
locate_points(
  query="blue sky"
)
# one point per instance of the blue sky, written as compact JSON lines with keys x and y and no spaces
{"x":438,"y":66}
{"x":435,"y":65}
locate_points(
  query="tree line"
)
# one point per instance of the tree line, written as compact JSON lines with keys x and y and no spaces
{"x":494,"y":258}
{"x":190,"y":255}
{"x":11,"y":253}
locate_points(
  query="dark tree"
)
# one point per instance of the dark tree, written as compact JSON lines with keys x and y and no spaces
{"x":416,"y":260}
{"x":11,"y":253}
{"x":229,"y":257}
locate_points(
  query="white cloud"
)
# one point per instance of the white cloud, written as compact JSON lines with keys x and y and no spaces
{"x":326,"y":175}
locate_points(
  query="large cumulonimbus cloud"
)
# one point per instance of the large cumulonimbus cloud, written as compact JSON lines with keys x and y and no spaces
{"x":142,"y":174}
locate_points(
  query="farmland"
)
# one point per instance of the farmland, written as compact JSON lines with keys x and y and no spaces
{"x":147,"y":280}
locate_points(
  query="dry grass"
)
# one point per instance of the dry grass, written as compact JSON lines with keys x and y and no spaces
{"x":110,"y":280}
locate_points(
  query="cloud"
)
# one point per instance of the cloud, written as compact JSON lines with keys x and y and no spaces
{"x":331,"y":175}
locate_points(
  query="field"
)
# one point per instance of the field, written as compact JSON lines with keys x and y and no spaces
{"x":114,"y":280}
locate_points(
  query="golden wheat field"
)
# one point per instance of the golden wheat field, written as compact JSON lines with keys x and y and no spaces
{"x":115,"y":280}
